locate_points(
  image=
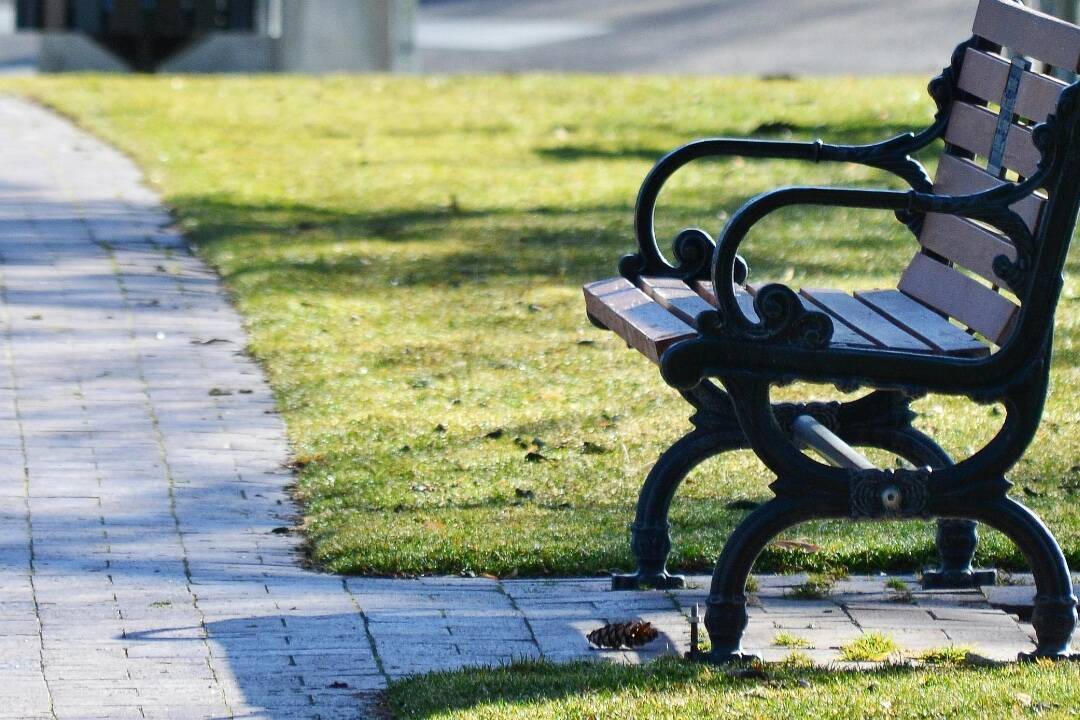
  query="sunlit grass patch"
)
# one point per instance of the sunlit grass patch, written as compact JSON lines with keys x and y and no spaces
{"x":817,"y":586}
{"x":674,"y":690}
{"x":870,"y":647}
{"x":408,"y":253}
{"x":790,"y":640}
{"x":945,"y":655}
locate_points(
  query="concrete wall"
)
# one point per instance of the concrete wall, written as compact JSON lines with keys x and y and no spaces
{"x":226,"y":52}
{"x":75,"y":52}
{"x":19,"y":53}
{"x":7,"y":16}
{"x":347,"y":35}
{"x":299,"y":36}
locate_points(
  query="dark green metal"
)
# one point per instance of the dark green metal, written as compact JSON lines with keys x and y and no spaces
{"x":747,"y":357}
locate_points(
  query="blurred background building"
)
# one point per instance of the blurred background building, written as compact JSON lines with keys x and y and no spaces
{"x":762,"y":37}
{"x":209,"y":35}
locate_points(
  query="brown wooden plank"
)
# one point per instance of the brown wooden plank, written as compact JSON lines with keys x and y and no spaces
{"x":1029,"y":32}
{"x":985,"y":76}
{"x":861,"y":318}
{"x":842,"y":334}
{"x":676,"y":297}
{"x":958,"y":296}
{"x":966,"y":243}
{"x":635,"y":317}
{"x":957,"y":176}
{"x":923,"y":322}
{"x":973,"y":129}
{"x":745,"y":299}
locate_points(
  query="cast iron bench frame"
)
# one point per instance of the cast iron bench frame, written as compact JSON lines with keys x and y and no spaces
{"x":790,"y":339}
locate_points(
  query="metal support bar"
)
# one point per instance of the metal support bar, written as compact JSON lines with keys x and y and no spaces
{"x":826,"y":443}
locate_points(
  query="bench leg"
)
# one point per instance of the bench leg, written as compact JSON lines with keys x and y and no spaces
{"x":650,"y":532}
{"x":725,"y":616}
{"x":1054,"y":616}
{"x":956,"y":539}
{"x":956,"y":543}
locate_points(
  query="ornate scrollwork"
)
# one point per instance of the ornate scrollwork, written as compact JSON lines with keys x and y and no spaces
{"x":633,"y":266}
{"x":693,"y":249}
{"x":1013,"y":273}
{"x":826,"y":413}
{"x":890,"y":494}
{"x":785,"y":321}
{"x":893,"y":156}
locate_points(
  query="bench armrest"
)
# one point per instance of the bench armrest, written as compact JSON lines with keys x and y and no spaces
{"x":991,"y":207}
{"x":693,"y":247}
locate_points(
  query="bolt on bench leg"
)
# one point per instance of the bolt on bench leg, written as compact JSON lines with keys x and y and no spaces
{"x":956,"y":539}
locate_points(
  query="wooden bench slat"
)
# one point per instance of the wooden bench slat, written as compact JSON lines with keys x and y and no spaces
{"x":1029,"y":32}
{"x":958,"y":296}
{"x":842,"y":334}
{"x":973,"y":129}
{"x":745,"y":299}
{"x":985,"y":76}
{"x":957,"y":176}
{"x":923,"y":322}
{"x":863,"y":320}
{"x":967,"y":244}
{"x":635,"y":317}
{"x":676,"y":297}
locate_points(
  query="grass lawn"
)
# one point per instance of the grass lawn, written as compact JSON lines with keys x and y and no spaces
{"x":677,"y":690}
{"x":409,"y":253}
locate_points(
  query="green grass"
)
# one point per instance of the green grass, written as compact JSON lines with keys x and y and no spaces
{"x":817,"y":586}
{"x":789,"y":640}
{"x":677,"y":690}
{"x":870,"y":647}
{"x":408,"y":253}
{"x":945,"y":655}
{"x":899,"y":591}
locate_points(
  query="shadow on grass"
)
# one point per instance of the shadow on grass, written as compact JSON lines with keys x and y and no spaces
{"x":569,"y":246}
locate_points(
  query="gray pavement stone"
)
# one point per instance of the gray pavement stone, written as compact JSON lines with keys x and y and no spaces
{"x":767,"y":37}
{"x":138,"y":573}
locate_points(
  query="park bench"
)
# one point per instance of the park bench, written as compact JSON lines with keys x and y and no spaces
{"x":972,"y":315}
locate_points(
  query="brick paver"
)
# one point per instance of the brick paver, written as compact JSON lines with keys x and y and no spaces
{"x":143,"y":571}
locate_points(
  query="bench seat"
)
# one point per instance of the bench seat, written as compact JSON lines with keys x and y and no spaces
{"x":659,"y":312}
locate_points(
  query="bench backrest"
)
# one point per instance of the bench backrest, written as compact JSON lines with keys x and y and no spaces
{"x":1007,"y":88}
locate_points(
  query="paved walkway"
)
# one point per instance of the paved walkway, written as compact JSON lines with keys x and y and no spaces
{"x":143,"y":572}
{"x":741,"y":37}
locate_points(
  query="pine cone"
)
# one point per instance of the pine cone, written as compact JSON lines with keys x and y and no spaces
{"x":629,"y":634}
